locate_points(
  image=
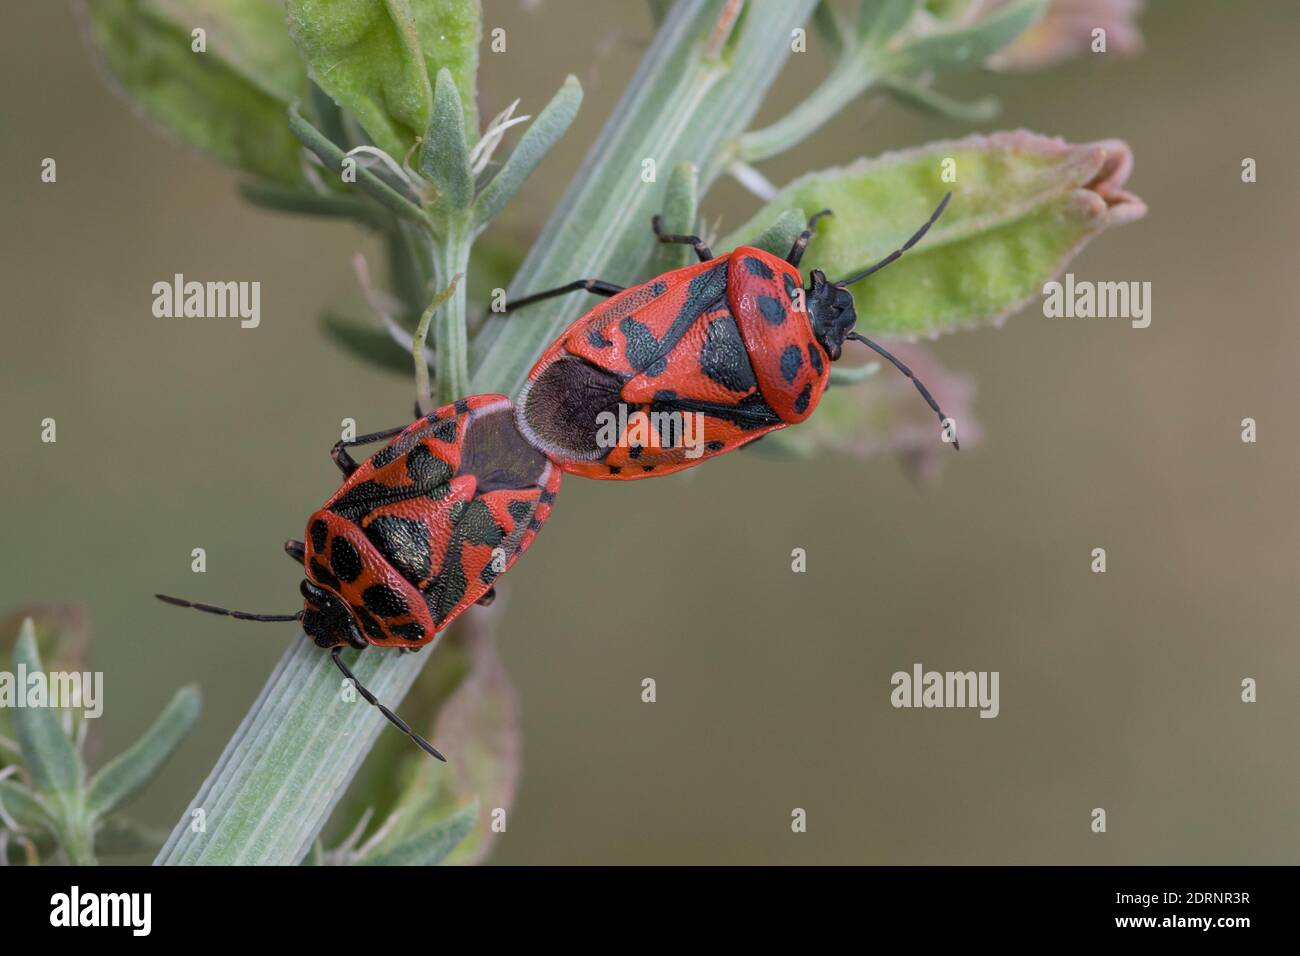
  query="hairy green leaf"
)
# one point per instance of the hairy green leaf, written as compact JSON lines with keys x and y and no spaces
{"x":542,"y":133}
{"x":444,"y":154}
{"x":47,"y":752}
{"x":776,"y":237}
{"x":378,"y":59}
{"x":1023,"y":205}
{"x":228,"y":100}
{"x":128,"y":773}
{"x":433,"y":845}
{"x":332,"y":156}
{"x":681,"y":202}
{"x":23,"y":807}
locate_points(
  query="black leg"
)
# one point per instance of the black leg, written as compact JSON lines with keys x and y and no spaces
{"x":296,"y":550}
{"x":595,"y":286}
{"x":344,"y":460}
{"x":695,"y":242}
{"x":800,"y":244}
{"x":488,"y":597}
{"x":396,"y":721}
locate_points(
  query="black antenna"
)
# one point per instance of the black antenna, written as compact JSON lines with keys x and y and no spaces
{"x":396,"y":721}
{"x":240,"y":615}
{"x":897,"y":253}
{"x":920,"y":387}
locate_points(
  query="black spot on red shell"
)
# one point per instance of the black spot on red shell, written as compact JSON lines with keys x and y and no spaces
{"x":614,"y":469}
{"x":771,"y":309}
{"x":756,"y":267}
{"x":801,"y":403}
{"x":519,"y":510}
{"x":427,"y":470}
{"x":404,"y":544}
{"x":815,"y":356}
{"x":714,"y":446}
{"x":477,"y":526}
{"x":319,"y":532}
{"x":462,"y":406}
{"x":597,"y":338}
{"x":345,"y":562}
{"x":642,"y":349}
{"x":791,"y":363}
{"x":385,"y":456}
{"x":445,"y":431}
{"x":384,"y":601}
{"x":409,"y":632}
{"x":368,"y":624}
{"x":323,"y":575}
{"x":723,"y":357}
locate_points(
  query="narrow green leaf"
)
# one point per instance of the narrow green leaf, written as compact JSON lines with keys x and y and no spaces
{"x":303,"y":202}
{"x":543,"y":133}
{"x":777,"y":237}
{"x":377,"y":58}
{"x":681,"y":202}
{"x":830,"y":26}
{"x":932,"y":101}
{"x":1023,"y":205}
{"x":24,"y":807}
{"x":48,"y":754}
{"x":968,"y":46}
{"x":62,"y":638}
{"x":124,"y":776}
{"x":228,"y":100}
{"x":444,"y":154}
{"x":332,"y":156}
{"x":433,"y":845}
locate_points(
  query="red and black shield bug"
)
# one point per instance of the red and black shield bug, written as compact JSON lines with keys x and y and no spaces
{"x":417,"y":533}
{"x":737,"y":341}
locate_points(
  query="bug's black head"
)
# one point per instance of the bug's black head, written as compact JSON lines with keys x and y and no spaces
{"x":830,"y":309}
{"x":327,"y":619}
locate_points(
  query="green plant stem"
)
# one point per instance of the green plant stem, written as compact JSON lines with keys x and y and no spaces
{"x":289,"y":762}
{"x":451,"y":363}
{"x":423,"y":396}
{"x":76,"y":832}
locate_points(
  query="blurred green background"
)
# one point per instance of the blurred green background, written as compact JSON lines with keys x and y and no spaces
{"x":1118,"y":691}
